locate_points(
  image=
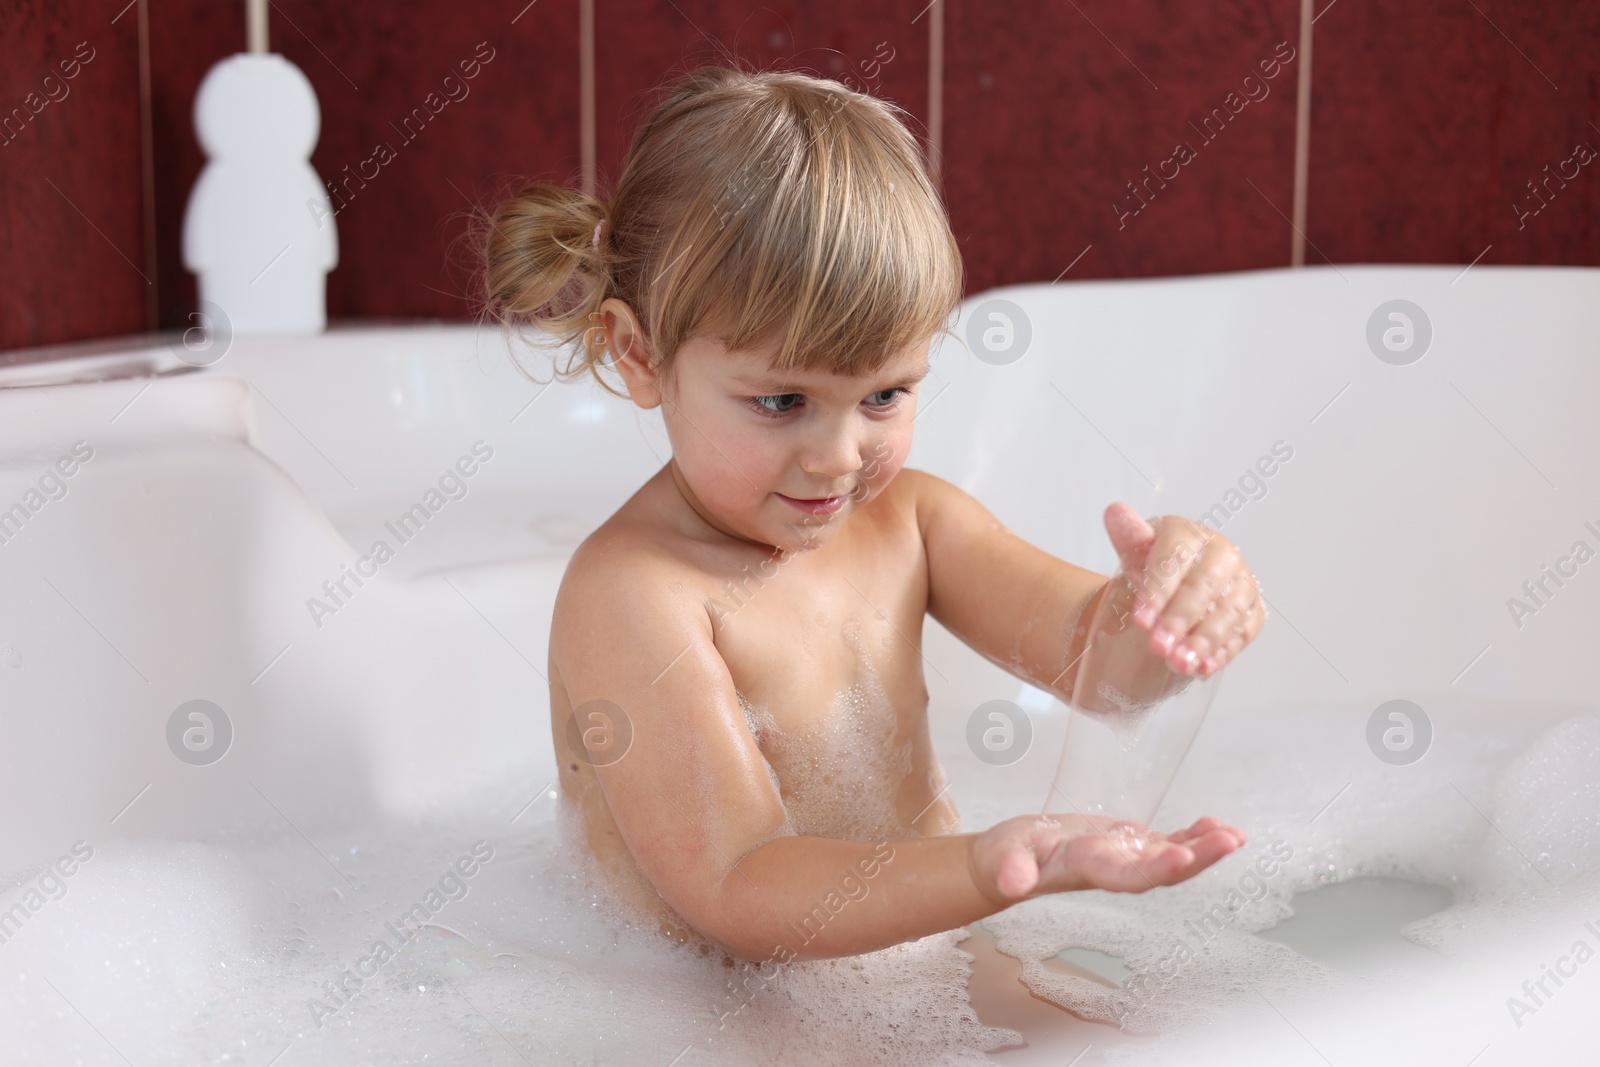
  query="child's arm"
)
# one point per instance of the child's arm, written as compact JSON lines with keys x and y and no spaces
{"x":695,"y":806}
{"x":1028,"y":611}
{"x":811,"y":897}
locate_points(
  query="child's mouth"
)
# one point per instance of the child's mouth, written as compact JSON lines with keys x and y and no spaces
{"x":826,"y":505}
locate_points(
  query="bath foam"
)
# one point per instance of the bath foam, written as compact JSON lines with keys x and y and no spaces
{"x":840,"y":776}
{"x":903,"y":1004}
{"x":1419,"y":826}
{"x":1560,"y":831}
{"x":1194,"y":961}
{"x":1189,"y":948}
{"x":1541,"y":803}
{"x":237,"y":949}
{"x":1184,"y":952}
{"x":1543,"y":845}
{"x":137,"y":938}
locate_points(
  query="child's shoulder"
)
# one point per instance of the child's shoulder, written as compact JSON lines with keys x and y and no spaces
{"x":626,"y":549}
{"x":918,"y":484}
{"x":928,"y":494}
{"x":945,"y":514}
{"x":638,"y":560}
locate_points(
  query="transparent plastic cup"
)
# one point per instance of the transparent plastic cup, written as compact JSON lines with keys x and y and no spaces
{"x":1131,"y":721}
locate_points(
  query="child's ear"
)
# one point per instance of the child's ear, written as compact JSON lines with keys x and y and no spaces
{"x":629,"y":354}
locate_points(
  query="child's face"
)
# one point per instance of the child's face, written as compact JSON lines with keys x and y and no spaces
{"x":783,"y":459}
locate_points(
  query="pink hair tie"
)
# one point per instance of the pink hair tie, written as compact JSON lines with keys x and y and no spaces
{"x":597,"y":234}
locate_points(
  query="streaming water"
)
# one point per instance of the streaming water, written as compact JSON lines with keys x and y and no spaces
{"x":1126,"y":717}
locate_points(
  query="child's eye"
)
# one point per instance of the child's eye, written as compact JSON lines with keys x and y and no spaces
{"x":779,"y":404}
{"x":884,"y":397}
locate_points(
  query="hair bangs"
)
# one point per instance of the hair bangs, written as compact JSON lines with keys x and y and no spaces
{"x":773,"y":212}
{"x":829,"y":244}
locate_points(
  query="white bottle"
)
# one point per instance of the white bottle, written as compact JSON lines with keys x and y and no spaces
{"x":259,"y":229}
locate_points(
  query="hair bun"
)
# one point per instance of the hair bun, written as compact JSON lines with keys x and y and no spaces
{"x":543,"y":265}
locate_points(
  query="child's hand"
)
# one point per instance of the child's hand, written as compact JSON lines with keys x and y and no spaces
{"x":1197,"y":596}
{"x":1035,"y":854}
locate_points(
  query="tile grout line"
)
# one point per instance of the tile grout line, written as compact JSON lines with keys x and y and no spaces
{"x":586,"y":116}
{"x":1302,"y":139}
{"x":936,"y":93}
{"x":147,"y":173}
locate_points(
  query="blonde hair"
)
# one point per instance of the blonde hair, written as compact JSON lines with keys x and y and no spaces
{"x":752,"y":208}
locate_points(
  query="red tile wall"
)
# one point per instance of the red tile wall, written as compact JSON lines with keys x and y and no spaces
{"x":874,"y":48}
{"x":72,"y":250}
{"x":1054,"y":109}
{"x":1427,"y":122}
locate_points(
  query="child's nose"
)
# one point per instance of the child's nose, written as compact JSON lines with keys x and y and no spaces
{"x":835,"y":456}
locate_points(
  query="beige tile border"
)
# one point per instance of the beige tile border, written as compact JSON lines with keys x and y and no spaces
{"x":1302,"y":139}
{"x":586,"y":116}
{"x":936,"y":92}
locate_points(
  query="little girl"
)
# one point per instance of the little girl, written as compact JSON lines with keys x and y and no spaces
{"x":736,"y":689}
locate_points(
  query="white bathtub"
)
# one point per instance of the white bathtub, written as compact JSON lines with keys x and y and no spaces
{"x":184,"y":560}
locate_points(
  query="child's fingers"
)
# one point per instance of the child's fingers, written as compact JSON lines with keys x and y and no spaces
{"x":1223,"y":619}
{"x":1245,"y":631}
{"x":1131,"y":535}
{"x":1220,"y":657}
{"x":1200,"y":826}
{"x":1179,"y":543}
{"x":1210,"y":847}
{"x":1225,"y":655}
{"x":1203,"y":586}
{"x":1177,"y":862}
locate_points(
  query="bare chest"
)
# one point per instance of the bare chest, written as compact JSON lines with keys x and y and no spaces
{"x":828,"y":672}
